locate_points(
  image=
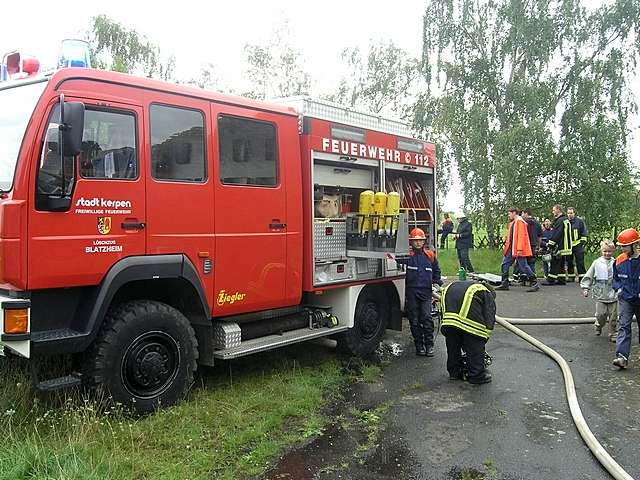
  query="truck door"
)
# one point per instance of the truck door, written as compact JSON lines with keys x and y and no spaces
{"x":179,"y":191}
{"x":106,"y":184}
{"x":249,"y":211}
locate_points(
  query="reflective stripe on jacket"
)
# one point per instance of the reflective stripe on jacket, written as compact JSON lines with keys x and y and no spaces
{"x":578,"y":232}
{"x":423,"y":269}
{"x":561,"y":236}
{"x":626,"y":276}
{"x":470,"y":307}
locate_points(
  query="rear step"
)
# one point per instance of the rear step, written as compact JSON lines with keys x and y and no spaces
{"x":59,"y":383}
{"x":275,"y":341}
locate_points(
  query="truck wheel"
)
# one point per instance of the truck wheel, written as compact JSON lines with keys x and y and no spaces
{"x":144,"y":357}
{"x":372,"y":311}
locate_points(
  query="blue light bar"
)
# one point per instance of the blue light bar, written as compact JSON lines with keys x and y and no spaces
{"x":74,"y":53}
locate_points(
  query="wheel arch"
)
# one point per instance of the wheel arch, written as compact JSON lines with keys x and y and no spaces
{"x":171,"y":279}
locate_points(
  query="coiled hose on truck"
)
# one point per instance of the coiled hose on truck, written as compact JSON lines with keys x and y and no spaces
{"x":590,"y":440}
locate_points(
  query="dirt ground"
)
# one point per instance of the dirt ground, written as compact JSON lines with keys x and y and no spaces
{"x":420,"y":425}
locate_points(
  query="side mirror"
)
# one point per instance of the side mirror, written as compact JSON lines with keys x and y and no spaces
{"x":72,"y":128}
{"x":70,"y":131}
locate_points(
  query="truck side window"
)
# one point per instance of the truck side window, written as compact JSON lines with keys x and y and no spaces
{"x":50,"y":169}
{"x":247,"y":152}
{"x":109,"y":145}
{"x":177,"y":144}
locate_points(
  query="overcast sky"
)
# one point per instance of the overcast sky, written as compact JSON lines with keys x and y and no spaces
{"x":216,"y":32}
{"x":197,"y":33}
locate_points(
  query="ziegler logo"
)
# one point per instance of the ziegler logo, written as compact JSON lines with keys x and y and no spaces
{"x":224,"y":297}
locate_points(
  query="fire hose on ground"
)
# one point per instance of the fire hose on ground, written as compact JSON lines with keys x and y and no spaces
{"x":590,"y":440}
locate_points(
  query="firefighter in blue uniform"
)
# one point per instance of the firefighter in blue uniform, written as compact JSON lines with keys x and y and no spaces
{"x":423,"y":271}
{"x":468,"y":316}
{"x":560,"y":247}
{"x":578,"y":241}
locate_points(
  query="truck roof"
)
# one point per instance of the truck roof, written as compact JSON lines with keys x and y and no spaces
{"x":291,"y":106}
{"x":64,"y":74}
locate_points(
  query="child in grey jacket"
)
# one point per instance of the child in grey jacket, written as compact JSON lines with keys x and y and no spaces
{"x":599,"y":280}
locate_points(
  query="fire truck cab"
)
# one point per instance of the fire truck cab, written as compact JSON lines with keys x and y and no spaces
{"x":146,"y":228}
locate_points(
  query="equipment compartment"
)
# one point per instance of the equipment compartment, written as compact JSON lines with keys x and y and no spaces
{"x":416,"y":188}
{"x":330,"y":239}
{"x":348,"y":176}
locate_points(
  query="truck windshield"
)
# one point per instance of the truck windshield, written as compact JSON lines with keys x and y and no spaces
{"x":16,"y":107}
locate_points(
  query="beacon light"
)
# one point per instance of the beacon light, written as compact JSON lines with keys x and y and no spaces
{"x":16,"y":65}
{"x":74,"y":53}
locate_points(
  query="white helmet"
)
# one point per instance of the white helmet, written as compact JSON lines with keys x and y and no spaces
{"x":460,"y":215}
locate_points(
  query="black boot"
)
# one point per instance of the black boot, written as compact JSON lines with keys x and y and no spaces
{"x":484,"y":377}
{"x":535,"y":286}
{"x":421,"y":350}
{"x":505,"y":283}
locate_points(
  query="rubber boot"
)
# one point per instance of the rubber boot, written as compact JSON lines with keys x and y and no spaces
{"x":535,"y":286}
{"x":505,"y":283}
{"x":484,"y":377}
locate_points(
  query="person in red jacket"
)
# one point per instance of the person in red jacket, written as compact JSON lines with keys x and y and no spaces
{"x":517,"y":248}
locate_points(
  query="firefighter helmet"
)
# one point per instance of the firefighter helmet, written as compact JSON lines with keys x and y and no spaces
{"x":460,"y":215}
{"x":628,"y":237}
{"x":417,"y":234}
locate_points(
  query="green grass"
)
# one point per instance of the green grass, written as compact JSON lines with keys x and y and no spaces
{"x":486,"y":260}
{"x":231,"y":426}
{"x":372,"y":422}
{"x":483,"y":260}
{"x":371,"y":373}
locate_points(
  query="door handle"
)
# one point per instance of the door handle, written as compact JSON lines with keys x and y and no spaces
{"x":277,"y":225}
{"x":132,"y":225}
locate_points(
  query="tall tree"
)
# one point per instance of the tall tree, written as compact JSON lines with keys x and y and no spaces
{"x":533,"y":101}
{"x":122,"y":49}
{"x":208,"y":78}
{"x":275,"y":69}
{"x":379,"y":81}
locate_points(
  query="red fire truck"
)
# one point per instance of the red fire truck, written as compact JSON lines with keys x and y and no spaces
{"x":148,"y":228}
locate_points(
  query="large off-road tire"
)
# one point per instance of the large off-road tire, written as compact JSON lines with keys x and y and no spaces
{"x":369,"y":323}
{"x":144,"y":356}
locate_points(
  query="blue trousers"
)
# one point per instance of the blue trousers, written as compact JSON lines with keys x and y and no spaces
{"x":626,"y":311}
{"x":463,"y":259}
{"x":520,"y":261}
{"x":418,"y":309}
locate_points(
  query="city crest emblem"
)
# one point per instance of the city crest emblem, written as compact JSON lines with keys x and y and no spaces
{"x":104,"y":225}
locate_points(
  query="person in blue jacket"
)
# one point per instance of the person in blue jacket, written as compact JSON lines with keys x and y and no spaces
{"x":547,"y":233}
{"x":423,"y":271}
{"x":626,"y":282}
{"x":464,"y":241}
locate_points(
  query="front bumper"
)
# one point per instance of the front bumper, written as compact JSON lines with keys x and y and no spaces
{"x":18,"y":343}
